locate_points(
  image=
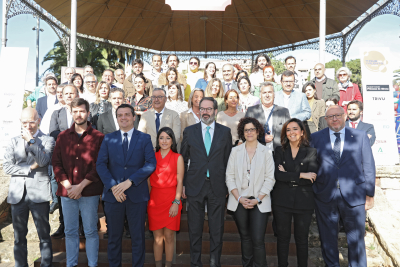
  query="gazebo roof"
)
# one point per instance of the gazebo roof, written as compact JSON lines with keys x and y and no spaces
{"x":246,"y":25}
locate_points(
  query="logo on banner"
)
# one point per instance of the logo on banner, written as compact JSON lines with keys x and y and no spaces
{"x":375,"y":61}
{"x":378,"y":98}
{"x":377,"y":87}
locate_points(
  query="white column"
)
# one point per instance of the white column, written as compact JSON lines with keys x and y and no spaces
{"x":72,"y":49}
{"x":4,"y":21}
{"x":322,"y":30}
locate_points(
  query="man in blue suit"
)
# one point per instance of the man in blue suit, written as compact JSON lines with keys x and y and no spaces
{"x":46,"y":102}
{"x":126,"y":159}
{"x":344,"y":187}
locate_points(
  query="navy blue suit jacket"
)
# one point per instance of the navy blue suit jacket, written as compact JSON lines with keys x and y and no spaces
{"x":355,"y":172}
{"x":114,"y":169}
{"x":366,"y":127}
{"x":41,"y":105}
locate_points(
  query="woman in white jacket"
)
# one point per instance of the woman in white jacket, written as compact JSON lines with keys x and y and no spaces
{"x":250,"y":179}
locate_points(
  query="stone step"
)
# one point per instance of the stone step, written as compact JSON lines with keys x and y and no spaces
{"x":182,"y":260}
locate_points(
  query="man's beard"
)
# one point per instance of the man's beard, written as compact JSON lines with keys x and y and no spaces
{"x":355,"y":117}
{"x":81,"y":123}
{"x":209,"y":120}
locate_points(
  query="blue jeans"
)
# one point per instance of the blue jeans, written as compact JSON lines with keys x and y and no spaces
{"x":88,"y":207}
{"x":54,"y":184}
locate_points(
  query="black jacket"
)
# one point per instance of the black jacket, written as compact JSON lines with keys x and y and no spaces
{"x":290,"y":191}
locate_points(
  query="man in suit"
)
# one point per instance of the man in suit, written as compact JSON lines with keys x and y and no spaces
{"x":271,"y":116}
{"x":47,"y":102}
{"x":61,"y":120}
{"x":229,"y":82}
{"x":207,"y":145}
{"x":125,"y":161}
{"x":108,"y":77}
{"x":354,"y":111}
{"x":68,"y":74}
{"x":322,"y":124}
{"x":296,"y":102}
{"x":154,"y":119}
{"x":344,"y":188}
{"x":27,"y":159}
{"x":107,"y":122}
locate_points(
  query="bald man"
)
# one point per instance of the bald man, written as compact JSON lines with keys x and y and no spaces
{"x":326,"y":88}
{"x":344,"y":188}
{"x":26,"y":159}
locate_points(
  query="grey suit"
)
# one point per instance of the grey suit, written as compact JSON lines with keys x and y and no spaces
{"x":30,"y":191}
{"x":58,"y":122}
{"x":94,"y":110}
{"x":366,"y":127}
{"x":105,"y":123}
{"x":233,"y":86}
{"x":280,"y":115}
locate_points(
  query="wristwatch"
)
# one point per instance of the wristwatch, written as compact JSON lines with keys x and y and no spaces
{"x":32,"y":141}
{"x":259,"y":201}
{"x":176,"y":201}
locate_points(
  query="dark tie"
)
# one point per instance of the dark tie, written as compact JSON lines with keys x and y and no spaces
{"x":229,"y":86}
{"x":158,"y":121}
{"x":125,"y":145}
{"x":336,"y":148}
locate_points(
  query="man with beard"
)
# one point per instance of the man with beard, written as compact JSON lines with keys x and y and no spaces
{"x":79,"y":184}
{"x":344,"y":188}
{"x":207,"y":145}
{"x":326,"y":88}
{"x":290,"y":64}
{"x":129,"y":88}
{"x":156,"y":70}
{"x":257,"y":75}
{"x":354,"y":111}
{"x":48,"y":101}
{"x":172,"y":62}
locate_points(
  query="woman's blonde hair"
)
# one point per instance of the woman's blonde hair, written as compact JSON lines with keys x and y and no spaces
{"x":208,"y":91}
{"x":98,"y":98}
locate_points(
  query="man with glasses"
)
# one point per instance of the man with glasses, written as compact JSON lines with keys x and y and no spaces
{"x":344,"y":188}
{"x":68,"y":74}
{"x":129,"y":88}
{"x":296,"y":102}
{"x":207,"y":146}
{"x":159,"y":116}
{"x":90,"y":81}
{"x":26,"y":159}
{"x":108,"y":77}
{"x":322,"y":122}
{"x":326,"y":88}
{"x":193,"y":75}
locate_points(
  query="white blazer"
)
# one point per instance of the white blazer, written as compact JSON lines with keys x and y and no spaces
{"x":263,"y":177}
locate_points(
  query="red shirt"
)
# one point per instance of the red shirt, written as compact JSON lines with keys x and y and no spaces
{"x":74,"y":159}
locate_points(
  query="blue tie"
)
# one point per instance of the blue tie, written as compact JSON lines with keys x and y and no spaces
{"x":158,"y":121}
{"x":207,"y":143}
{"x":336,"y":148}
{"x":125,"y":145}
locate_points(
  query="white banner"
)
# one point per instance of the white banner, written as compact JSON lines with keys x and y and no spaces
{"x":13,"y":64}
{"x":376,"y":70}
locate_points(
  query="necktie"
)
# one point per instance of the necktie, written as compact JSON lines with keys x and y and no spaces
{"x":336,"y":148}
{"x":207,"y":143}
{"x":353,"y":124}
{"x":125,"y":145}
{"x":229,"y":86}
{"x":158,"y":121}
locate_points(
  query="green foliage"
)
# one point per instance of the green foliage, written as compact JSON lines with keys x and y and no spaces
{"x":24,"y":105}
{"x":278,"y":65}
{"x":354,"y":65}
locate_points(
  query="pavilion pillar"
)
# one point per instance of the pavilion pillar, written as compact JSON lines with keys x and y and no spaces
{"x":322,"y":30}
{"x":344,"y":51}
{"x":72,"y":47}
{"x":4,"y":20}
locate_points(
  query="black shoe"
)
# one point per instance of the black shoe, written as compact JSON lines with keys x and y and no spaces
{"x":105,"y":235}
{"x":53,"y":207}
{"x":128,"y":233}
{"x":81,"y":232}
{"x":59,"y":233}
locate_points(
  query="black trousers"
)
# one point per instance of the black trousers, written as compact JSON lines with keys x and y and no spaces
{"x":252,"y":225}
{"x":215,"y":211}
{"x":301,"y":220}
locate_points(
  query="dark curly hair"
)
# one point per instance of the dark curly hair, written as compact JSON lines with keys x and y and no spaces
{"x":171,"y":134}
{"x":247,"y":120}
{"x":303,"y":139}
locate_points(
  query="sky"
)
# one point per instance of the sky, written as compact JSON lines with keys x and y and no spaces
{"x":382,"y":31}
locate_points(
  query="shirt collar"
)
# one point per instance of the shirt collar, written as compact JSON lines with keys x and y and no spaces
{"x":357,"y":121}
{"x":267,"y":109}
{"x":37,"y":132}
{"x":204,"y":126}
{"x":333,"y":132}
{"x":162,"y":111}
{"x":130,"y":132}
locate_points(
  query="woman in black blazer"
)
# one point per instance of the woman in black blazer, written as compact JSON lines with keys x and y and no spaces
{"x":292,"y":197}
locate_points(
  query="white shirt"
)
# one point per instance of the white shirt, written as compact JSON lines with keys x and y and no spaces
{"x":45,"y":122}
{"x":69,"y":117}
{"x":119,"y":85}
{"x":192,"y":78}
{"x":114,"y":115}
{"x":162,"y":112}
{"x":51,"y":100}
{"x":194,"y":115}
{"x":357,"y":122}
{"x":286,"y":99}
{"x":89,"y":97}
{"x":333,"y":139}
{"x":256,"y":78}
{"x":154,"y":75}
{"x":130,"y":132}
{"x":267,"y":111}
{"x":211,"y":131}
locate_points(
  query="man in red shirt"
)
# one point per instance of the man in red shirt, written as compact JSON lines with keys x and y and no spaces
{"x":74,"y":164}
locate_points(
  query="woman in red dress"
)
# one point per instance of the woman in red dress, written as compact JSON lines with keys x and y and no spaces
{"x":164,"y":208}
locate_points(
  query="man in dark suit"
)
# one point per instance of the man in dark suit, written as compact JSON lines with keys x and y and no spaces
{"x":107,"y":122}
{"x":272,"y":122}
{"x":344,"y":187}
{"x":50,"y":99}
{"x":207,"y":145}
{"x":229,"y":81}
{"x":354,"y":111}
{"x":126,"y":159}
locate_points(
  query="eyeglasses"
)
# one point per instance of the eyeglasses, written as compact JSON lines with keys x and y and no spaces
{"x":90,"y":82}
{"x":206,"y":109}
{"x":160,"y":97}
{"x":336,"y":116}
{"x":193,"y":63}
{"x":288,"y":82}
{"x":343,"y":75}
{"x":251,"y":130}
{"x":24,"y":123}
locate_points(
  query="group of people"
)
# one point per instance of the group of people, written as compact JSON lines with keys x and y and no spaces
{"x":250,"y":144}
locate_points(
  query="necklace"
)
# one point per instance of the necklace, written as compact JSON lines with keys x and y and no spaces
{"x":248,"y":166}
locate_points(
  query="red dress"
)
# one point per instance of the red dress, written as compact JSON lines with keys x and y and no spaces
{"x":163,"y":190}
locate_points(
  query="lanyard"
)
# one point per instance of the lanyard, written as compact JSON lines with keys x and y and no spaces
{"x":266,"y":126}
